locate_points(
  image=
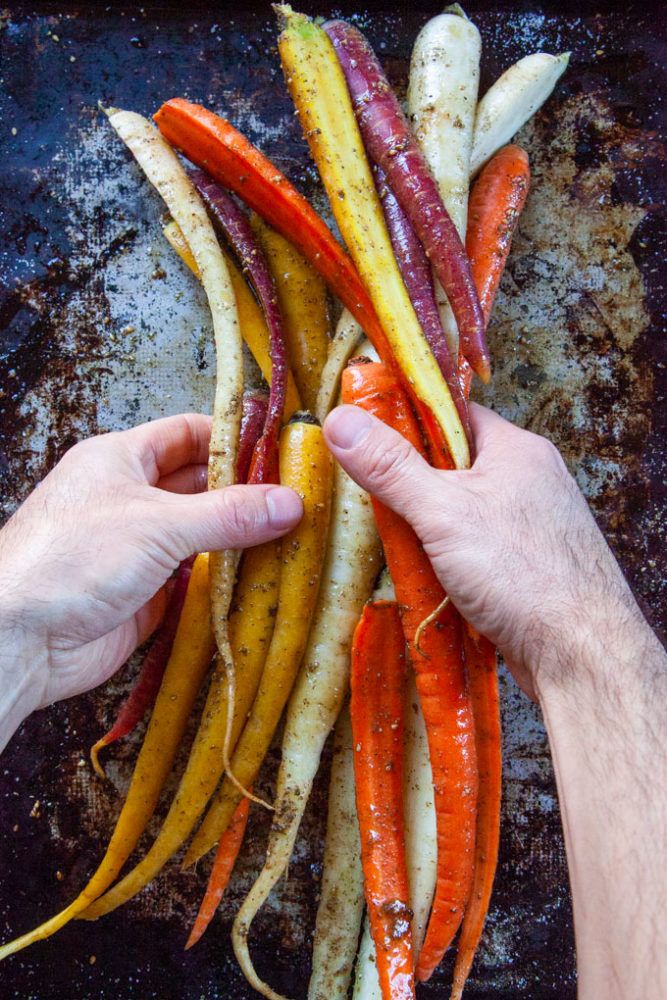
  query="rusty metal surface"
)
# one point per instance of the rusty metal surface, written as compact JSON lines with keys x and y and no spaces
{"x":101,"y":326}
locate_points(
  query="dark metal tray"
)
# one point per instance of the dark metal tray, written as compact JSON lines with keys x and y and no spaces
{"x":100,"y":327}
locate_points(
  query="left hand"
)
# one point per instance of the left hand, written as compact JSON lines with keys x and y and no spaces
{"x":84,"y":560}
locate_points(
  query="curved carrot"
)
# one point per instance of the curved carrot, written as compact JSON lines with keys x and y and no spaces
{"x":251,"y":319}
{"x":440,"y":673}
{"x":494,"y":207}
{"x":232,"y":220}
{"x":250,"y":626}
{"x":223,"y":863}
{"x":211,"y":142}
{"x":377,"y":679}
{"x":480,"y":656}
{"x":147,"y":685}
{"x":189,"y":660}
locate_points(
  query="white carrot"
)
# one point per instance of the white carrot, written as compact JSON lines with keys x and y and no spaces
{"x":442,"y":98}
{"x":351,"y":566}
{"x":347,"y":335}
{"x":366,"y":979}
{"x":421,"y":849}
{"x":163,"y":169}
{"x":511,"y":101}
{"x":341,"y":904}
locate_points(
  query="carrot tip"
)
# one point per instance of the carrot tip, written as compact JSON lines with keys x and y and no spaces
{"x":483,"y":369}
{"x":94,"y":757}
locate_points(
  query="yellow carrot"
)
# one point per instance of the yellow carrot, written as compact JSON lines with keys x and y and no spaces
{"x":249,"y":630}
{"x":317,"y":85}
{"x":190,"y":656}
{"x":306,"y":466}
{"x":253,"y":325}
{"x":302,"y":297}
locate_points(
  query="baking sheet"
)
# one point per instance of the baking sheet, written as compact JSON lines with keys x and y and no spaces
{"x":101,"y":326}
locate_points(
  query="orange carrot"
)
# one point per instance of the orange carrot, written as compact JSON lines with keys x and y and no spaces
{"x":495,"y":204}
{"x":376,"y":709}
{"x":480,"y":656}
{"x":223,"y":863}
{"x":437,"y":658}
{"x":212,"y":142}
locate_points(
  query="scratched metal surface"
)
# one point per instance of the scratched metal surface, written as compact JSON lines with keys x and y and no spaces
{"x":101,"y":327}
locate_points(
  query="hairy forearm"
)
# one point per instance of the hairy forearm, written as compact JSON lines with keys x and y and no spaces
{"x":605,"y":710}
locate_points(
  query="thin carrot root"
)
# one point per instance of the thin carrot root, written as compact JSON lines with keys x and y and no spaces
{"x":223,"y":864}
{"x":425,"y":622}
{"x":95,"y":756}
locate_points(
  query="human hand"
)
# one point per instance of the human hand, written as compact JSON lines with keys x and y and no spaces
{"x":84,"y":560}
{"x":512,"y":539}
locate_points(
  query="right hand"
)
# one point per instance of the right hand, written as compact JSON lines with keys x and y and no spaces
{"x":512,"y":539}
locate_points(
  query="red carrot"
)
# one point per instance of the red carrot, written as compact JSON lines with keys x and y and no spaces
{"x":390,"y":143}
{"x":235,"y":225}
{"x":480,"y":656}
{"x":213,"y":143}
{"x":495,"y":204}
{"x":440,"y":673}
{"x":376,"y":710}
{"x":418,"y":277}
{"x":146,"y":687}
{"x":253,"y":419}
{"x":223,"y":864}
{"x":493,"y":212}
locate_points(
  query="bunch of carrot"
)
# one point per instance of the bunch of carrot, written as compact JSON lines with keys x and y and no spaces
{"x":292,"y":622}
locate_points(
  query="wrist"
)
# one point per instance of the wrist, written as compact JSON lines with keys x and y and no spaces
{"x":22,"y":672}
{"x":593,"y":642}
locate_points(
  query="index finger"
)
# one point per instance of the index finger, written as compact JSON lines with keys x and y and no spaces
{"x":166,"y":445}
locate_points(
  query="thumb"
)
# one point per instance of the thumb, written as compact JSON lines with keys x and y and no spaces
{"x":380,"y":460}
{"x":231,"y":518}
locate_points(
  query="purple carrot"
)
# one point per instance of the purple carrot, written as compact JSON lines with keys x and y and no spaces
{"x":392,"y":146}
{"x":253,"y":419}
{"x":418,"y":277}
{"x":144,"y":692}
{"x":146,"y":687}
{"x":235,"y":225}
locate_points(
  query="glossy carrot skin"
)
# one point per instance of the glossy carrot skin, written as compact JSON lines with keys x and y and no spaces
{"x":376,"y":709}
{"x":495,"y":204}
{"x":211,"y":142}
{"x":391,"y":144}
{"x":223,"y":864}
{"x":253,"y":324}
{"x":481,"y":663}
{"x":440,"y":674}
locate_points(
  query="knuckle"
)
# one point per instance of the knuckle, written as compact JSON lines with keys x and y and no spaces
{"x":389,"y":464}
{"x":239,"y":514}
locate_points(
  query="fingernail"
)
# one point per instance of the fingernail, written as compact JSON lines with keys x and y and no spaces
{"x":347,"y":426}
{"x":284,"y":507}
